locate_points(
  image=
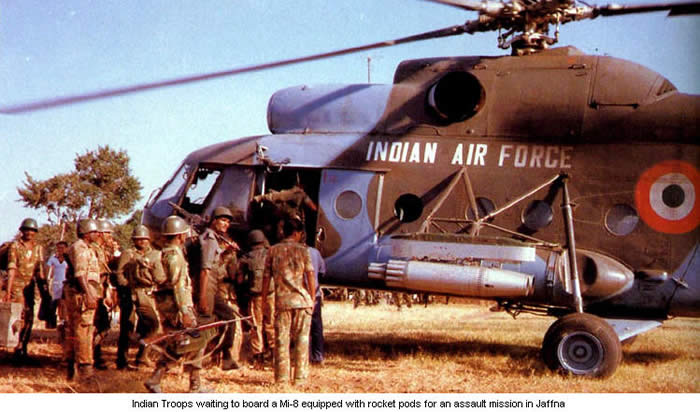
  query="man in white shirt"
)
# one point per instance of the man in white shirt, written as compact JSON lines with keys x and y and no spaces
{"x":56,"y":269}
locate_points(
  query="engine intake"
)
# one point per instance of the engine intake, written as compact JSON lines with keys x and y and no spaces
{"x":456,"y":96}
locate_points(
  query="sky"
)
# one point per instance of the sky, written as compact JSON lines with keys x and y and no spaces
{"x":50,"y":49}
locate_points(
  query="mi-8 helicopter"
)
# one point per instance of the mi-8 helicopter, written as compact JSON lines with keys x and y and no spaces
{"x":550,"y":181}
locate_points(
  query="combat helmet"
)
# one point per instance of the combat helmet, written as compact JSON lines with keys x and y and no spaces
{"x":141,"y":232}
{"x":86,"y":226}
{"x":105,"y":226}
{"x":256,"y":237}
{"x":222,"y":211}
{"x":174,"y":225}
{"x":29,"y":224}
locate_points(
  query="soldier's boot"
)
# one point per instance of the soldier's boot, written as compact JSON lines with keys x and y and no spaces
{"x":259,"y":361}
{"x":86,"y":374}
{"x":18,"y":357}
{"x":70,"y":370}
{"x":142,"y":357}
{"x":196,"y":382}
{"x":153,"y":383}
{"x":99,"y":361}
{"x":122,"y":363}
{"x":228,"y":364}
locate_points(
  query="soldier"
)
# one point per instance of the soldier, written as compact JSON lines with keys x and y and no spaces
{"x":316,"y":348}
{"x":80,"y":294}
{"x":105,"y":249}
{"x":25,"y":261}
{"x":217,"y":276}
{"x":287,"y":204}
{"x":176,"y":310}
{"x":260,"y":307}
{"x":401,"y":296}
{"x":288,"y":263}
{"x":139,"y":273}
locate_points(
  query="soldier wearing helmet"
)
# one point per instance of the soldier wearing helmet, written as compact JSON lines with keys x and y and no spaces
{"x":261,"y":307}
{"x":139,"y":273}
{"x":81,"y":292}
{"x":105,"y":248}
{"x":216,"y":293}
{"x":175,"y":307}
{"x":109,"y":244}
{"x":25,"y":263}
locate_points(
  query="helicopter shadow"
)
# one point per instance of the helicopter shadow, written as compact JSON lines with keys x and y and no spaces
{"x":527,"y":359}
{"x":382,"y":347}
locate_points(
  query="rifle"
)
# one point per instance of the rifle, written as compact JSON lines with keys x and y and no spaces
{"x":198,"y":223}
{"x":191,"y":331}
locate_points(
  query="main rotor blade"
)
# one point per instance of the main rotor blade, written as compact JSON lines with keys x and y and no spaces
{"x":675,"y":9}
{"x":80,"y":98}
{"x":486,"y":7}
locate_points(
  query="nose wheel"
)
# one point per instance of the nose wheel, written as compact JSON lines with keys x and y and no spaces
{"x":582,"y":344}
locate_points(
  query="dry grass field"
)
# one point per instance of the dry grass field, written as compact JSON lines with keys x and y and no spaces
{"x":441,"y":348}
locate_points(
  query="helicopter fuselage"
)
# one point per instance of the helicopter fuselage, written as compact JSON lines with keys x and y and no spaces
{"x":451,"y":181}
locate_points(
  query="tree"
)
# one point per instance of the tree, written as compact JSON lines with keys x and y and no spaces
{"x":60,"y":196}
{"x":101,"y":186}
{"x":122,"y":233}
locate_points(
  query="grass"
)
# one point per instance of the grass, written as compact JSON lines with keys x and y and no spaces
{"x":456,"y":348}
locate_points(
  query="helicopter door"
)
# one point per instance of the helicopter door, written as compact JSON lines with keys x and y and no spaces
{"x":345,"y":232}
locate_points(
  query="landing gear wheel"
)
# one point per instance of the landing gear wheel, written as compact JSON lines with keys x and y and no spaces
{"x":582,"y":344}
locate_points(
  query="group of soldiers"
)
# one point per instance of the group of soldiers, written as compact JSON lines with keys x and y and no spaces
{"x":168,"y":298}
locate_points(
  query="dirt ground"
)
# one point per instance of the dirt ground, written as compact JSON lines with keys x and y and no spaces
{"x":455,"y":348}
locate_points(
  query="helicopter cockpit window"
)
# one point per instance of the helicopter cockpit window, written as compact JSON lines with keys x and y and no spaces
{"x":408,"y":208}
{"x":171,"y":192}
{"x":199,"y":190}
{"x":537,"y":215}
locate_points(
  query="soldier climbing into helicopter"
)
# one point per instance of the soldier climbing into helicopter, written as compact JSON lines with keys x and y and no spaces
{"x":284,"y":205}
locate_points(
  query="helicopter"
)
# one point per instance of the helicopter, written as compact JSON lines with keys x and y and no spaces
{"x":549,"y":181}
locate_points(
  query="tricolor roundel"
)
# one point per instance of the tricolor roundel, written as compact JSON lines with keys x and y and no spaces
{"x":666,"y":197}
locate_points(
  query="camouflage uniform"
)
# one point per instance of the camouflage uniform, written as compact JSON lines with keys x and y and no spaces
{"x":102,"y":314}
{"x":26,"y":260}
{"x":288,"y":263}
{"x":174,"y":303}
{"x":260,"y":308}
{"x":139,"y":272}
{"x":79,"y":323}
{"x":222,"y":265}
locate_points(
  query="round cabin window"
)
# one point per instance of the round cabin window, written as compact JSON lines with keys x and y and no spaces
{"x":621,"y":220}
{"x":537,"y":215}
{"x":483,"y":205}
{"x":348,"y":204}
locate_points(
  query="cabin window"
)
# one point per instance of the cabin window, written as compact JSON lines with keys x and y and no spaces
{"x":408,"y":208}
{"x":621,"y":220}
{"x":202,"y":185}
{"x":348,"y":204}
{"x":537,"y":215}
{"x":483,"y":205}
